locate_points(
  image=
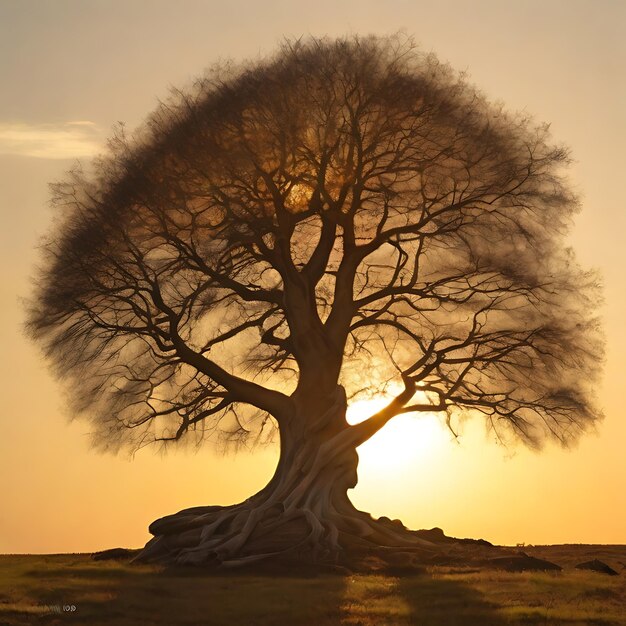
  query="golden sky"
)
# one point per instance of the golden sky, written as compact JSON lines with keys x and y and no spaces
{"x":70,"y":69}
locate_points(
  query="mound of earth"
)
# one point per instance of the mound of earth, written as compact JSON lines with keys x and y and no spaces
{"x":521,"y":563}
{"x":114,"y":554}
{"x":597,"y":566}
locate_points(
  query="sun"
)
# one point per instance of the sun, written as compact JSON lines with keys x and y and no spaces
{"x":405,"y":440}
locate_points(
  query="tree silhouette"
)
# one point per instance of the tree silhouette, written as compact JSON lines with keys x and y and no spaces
{"x":346,"y":215}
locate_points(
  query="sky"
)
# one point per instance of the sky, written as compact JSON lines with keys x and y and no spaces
{"x":71,"y":69}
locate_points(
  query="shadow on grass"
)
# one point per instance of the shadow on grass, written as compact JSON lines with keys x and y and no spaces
{"x":130,"y":595}
{"x":125,"y":595}
{"x":440,"y":602}
{"x":35,"y":591}
{"x":520,"y":600}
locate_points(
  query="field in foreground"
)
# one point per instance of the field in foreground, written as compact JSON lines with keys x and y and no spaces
{"x":65,"y":589}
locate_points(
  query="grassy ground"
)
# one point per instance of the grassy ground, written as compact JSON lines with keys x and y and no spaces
{"x":44,"y":590}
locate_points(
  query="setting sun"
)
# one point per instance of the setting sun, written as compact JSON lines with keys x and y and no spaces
{"x":403,"y":441}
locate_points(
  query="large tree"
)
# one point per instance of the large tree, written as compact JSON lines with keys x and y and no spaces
{"x":348,"y":215}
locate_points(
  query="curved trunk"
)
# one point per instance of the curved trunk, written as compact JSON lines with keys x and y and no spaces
{"x":302,"y":514}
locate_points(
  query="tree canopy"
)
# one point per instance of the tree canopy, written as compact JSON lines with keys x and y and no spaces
{"x":345,"y":212}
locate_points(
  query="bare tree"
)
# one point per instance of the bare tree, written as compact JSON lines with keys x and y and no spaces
{"x":343,"y":215}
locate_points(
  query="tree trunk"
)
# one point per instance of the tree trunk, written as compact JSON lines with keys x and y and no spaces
{"x":303,"y":514}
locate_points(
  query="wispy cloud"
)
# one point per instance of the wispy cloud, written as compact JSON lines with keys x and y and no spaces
{"x":71,"y":140}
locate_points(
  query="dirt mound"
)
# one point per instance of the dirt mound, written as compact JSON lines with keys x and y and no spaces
{"x":114,"y":554}
{"x":597,"y":566}
{"x":521,"y":563}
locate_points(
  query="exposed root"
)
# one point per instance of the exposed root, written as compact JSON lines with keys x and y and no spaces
{"x":318,"y":533}
{"x":302,"y":516}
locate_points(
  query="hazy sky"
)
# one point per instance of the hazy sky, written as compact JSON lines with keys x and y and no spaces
{"x":70,"y":69}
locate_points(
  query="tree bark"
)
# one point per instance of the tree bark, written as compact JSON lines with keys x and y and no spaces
{"x":303,"y":514}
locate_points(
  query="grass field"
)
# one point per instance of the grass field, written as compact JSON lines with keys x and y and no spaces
{"x":73,"y":589}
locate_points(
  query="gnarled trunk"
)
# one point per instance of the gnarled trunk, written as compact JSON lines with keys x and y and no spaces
{"x":303,"y":513}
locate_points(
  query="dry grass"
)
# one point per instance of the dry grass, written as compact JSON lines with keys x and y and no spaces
{"x":36,"y":589}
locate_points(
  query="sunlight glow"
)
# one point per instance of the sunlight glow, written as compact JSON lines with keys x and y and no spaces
{"x":405,"y":440}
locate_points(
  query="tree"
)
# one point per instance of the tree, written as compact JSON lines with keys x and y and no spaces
{"x":344,"y":215}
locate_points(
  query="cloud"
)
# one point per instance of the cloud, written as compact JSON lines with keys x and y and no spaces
{"x":71,"y":140}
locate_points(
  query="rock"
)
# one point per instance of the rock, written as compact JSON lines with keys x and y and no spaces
{"x":522,"y":563}
{"x":597,"y":566}
{"x":114,"y":554}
